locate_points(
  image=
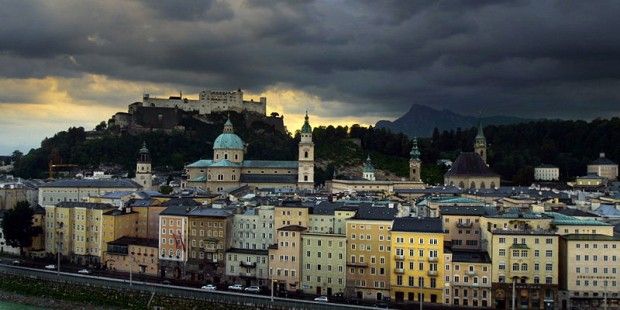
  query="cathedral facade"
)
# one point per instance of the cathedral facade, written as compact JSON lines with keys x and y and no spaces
{"x":230,"y":170}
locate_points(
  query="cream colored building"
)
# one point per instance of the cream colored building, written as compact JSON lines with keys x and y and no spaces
{"x":462,"y":226}
{"x":209,"y":101}
{"x":253,"y":229}
{"x":136,"y":255}
{"x":79,"y":190}
{"x":248,"y":266}
{"x":323,"y":263}
{"x":603,"y":167}
{"x":468,"y":279}
{"x":76,"y":230}
{"x":546,"y":173}
{"x":524,"y":249}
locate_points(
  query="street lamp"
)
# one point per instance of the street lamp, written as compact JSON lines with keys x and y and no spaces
{"x":58,"y":243}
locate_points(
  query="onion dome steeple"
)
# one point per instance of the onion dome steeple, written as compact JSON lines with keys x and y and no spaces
{"x":306,"y":127}
{"x":415,"y":152}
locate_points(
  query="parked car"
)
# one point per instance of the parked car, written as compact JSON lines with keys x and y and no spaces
{"x":236,"y":287}
{"x":17,"y":262}
{"x":84,"y":271}
{"x":50,"y":267}
{"x":252,"y":289}
{"x":321,"y":299}
{"x":167,"y":282}
{"x":209,"y":287}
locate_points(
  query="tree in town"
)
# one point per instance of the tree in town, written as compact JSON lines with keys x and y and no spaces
{"x":17,"y":226}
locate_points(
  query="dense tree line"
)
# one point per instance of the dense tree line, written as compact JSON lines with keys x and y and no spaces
{"x":513,"y":149}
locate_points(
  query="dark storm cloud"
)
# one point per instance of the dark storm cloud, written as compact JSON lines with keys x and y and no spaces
{"x":529,"y":58}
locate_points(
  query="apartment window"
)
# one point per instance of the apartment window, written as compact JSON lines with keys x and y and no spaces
{"x":548,"y":253}
{"x":549,"y":267}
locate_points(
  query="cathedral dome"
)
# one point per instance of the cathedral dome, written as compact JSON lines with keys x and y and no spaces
{"x":228,"y":139}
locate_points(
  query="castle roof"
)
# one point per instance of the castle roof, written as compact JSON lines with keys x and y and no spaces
{"x":602,"y":160}
{"x":470,"y":164}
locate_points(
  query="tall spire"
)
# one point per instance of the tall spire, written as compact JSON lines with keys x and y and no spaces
{"x":415,"y":152}
{"x":306,"y":127}
{"x":480,"y":133}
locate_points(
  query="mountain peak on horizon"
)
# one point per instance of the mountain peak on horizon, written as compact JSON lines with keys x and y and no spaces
{"x":420,"y":120}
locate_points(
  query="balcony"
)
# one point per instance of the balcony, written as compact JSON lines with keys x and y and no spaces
{"x":247,"y":264}
{"x":432,"y":273}
{"x":471,"y":272}
{"x":357,"y":264}
{"x":399,"y":270}
{"x":464,"y":224}
{"x":399,"y":257}
{"x":433,"y":258}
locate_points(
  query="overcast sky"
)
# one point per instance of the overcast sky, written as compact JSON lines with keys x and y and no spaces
{"x":75,"y":63}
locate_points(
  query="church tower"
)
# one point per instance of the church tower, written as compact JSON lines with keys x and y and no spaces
{"x":480,"y":144}
{"x":368,"y":171}
{"x":143,"y":168}
{"x":415,"y":164}
{"x":305,"y":179}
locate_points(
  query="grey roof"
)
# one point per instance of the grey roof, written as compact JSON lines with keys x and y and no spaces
{"x":602,"y":161}
{"x":181,"y":202}
{"x":464,"y":256}
{"x":546,"y":166}
{"x":375,"y":213}
{"x":176,"y":210}
{"x":143,"y":202}
{"x":102,"y":183}
{"x":575,"y":212}
{"x":290,"y":164}
{"x":463,"y":210}
{"x":269,"y":178}
{"x":470,"y":164}
{"x":413,"y":224}
{"x":87,"y":205}
{"x":210,"y":212}
{"x":594,"y":237}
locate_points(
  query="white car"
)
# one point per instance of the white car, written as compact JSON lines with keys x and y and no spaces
{"x":50,"y":267}
{"x":236,"y":287}
{"x":252,"y":289}
{"x":209,"y":287}
{"x":84,"y":271}
{"x":322,"y":299}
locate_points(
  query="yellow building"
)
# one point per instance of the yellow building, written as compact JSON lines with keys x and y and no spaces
{"x":368,"y":253}
{"x":417,"y":260}
{"x":76,"y":230}
{"x":118,"y":223}
{"x":136,"y":255}
{"x":291,"y":213}
{"x":285,"y":258}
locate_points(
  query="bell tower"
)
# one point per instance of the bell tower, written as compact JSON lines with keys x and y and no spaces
{"x":415,"y":164}
{"x":143,"y":168}
{"x":480,"y":143}
{"x":305,"y":179}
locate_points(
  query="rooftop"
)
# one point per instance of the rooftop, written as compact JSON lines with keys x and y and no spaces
{"x":413,"y":224}
{"x":470,"y":164}
{"x":87,"y":205}
{"x":561,"y":219}
{"x":594,"y":237}
{"x":97,"y":183}
{"x":248,"y":251}
{"x":464,"y":256}
{"x":464,"y":210}
{"x":375,"y":213}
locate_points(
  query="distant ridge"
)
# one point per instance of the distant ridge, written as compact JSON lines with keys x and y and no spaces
{"x":421,"y":120}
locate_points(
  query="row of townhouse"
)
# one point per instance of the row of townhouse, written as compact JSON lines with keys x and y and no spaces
{"x":471,"y":256}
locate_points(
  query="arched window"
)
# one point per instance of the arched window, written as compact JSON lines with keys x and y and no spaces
{"x":305,"y":154}
{"x":482,"y":185}
{"x":217,"y":156}
{"x":472,"y":185}
{"x":236,"y":156}
{"x":305,"y":178}
{"x":492,"y":184}
{"x":226,"y":156}
{"x":461,"y":184}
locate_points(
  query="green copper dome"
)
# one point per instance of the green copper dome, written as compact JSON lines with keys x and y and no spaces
{"x":306,"y":127}
{"x":228,"y":139}
{"x":368,"y":167}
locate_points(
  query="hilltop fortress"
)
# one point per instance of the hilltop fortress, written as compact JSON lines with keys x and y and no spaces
{"x":178,"y":112}
{"x":209,"y":101}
